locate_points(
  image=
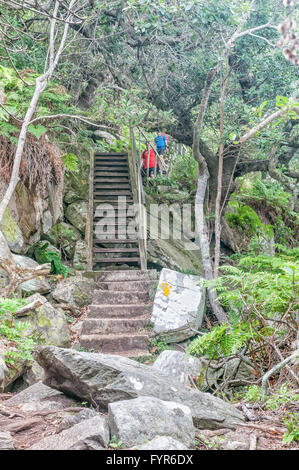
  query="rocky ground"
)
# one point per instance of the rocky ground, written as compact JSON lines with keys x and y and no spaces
{"x":106,"y":403}
{"x":22,"y":429}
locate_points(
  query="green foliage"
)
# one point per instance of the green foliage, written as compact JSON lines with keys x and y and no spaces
{"x":70,"y":162}
{"x":223,"y":341}
{"x":267,"y":200}
{"x":292,"y":424}
{"x":263,"y":283}
{"x":270,"y":192}
{"x":19,"y":345}
{"x":253,"y":394}
{"x":243,"y":217}
{"x":48,"y":256}
{"x":258,"y":288}
{"x":159,"y":346}
{"x":184,"y":170}
{"x":281,"y":397}
{"x":37,"y":131}
{"x":114,"y":443}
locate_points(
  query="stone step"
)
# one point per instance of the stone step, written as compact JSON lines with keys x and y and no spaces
{"x":126,"y":286}
{"x":115,"y":298}
{"x":106,"y":326}
{"x":125,"y":275}
{"x":134,"y":354}
{"x":121,"y":311}
{"x":108,"y":344}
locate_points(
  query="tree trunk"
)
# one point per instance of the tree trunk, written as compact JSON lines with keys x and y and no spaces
{"x":218,"y":210}
{"x":202,"y":236}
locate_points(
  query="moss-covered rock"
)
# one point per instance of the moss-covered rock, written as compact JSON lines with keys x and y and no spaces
{"x":76,"y":214}
{"x":48,"y":322}
{"x":75,"y":290}
{"x":43,"y":246}
{"x":73,"y":196}
{"x":63,"y":236}
{"x":81,"y":255}
{"x":12,"y":232}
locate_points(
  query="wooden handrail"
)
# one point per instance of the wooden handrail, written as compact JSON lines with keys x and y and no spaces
{"x":138,"y":197}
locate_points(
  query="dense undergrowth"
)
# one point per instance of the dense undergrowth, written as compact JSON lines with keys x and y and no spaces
{"x":19,"y":345}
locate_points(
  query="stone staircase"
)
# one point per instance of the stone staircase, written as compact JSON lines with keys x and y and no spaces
{"x":117,"y":319}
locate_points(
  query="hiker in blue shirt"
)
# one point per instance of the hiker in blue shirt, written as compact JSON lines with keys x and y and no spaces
{"x":161,"y":143}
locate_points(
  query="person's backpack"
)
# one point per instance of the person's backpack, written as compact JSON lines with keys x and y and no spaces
{"x":160,"y":141}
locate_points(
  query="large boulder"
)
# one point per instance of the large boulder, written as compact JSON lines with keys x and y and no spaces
{"x":48,"y":322}
{"x":29,"y":214}
{"x":179,"y":306}
{"x":41,"y":248}
{"x":75,"y":290}
{"x":183,"y":366}
{"x":168,"y":245}
{"x":12,"y":232}
{"x":64,"y":236}
{"x":162,"y":443}
{"x":136,"y":421}
{"x":90,"y":434}
{"x":105,"y":379}
{"x":39,"y":397}
{"x":69,"y":418}
{"x":76,"y":214}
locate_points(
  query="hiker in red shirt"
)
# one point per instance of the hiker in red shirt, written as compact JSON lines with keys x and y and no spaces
{"x":151,"y":161}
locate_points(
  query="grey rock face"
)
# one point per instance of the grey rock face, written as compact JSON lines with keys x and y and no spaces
{"x":107,"y":379}
{"x":49,"y":322}
{"x":34,"y":374}
{"x":90,"y":434}
{"x":76,"y":214}
{"x":182,"y":366}
{"x":64,"y":236}
{"x":30,"y":214}
{"x":137,"y":421}
{"x":80,"y":255}
{"x":12,"y":232}
{"x":6,"y":441}
{"x":39,"y":397}
{"x":70,"y":419}
{"x":76,"y":290}
{"x":162,"y":443}
{"x":179,"y":306}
